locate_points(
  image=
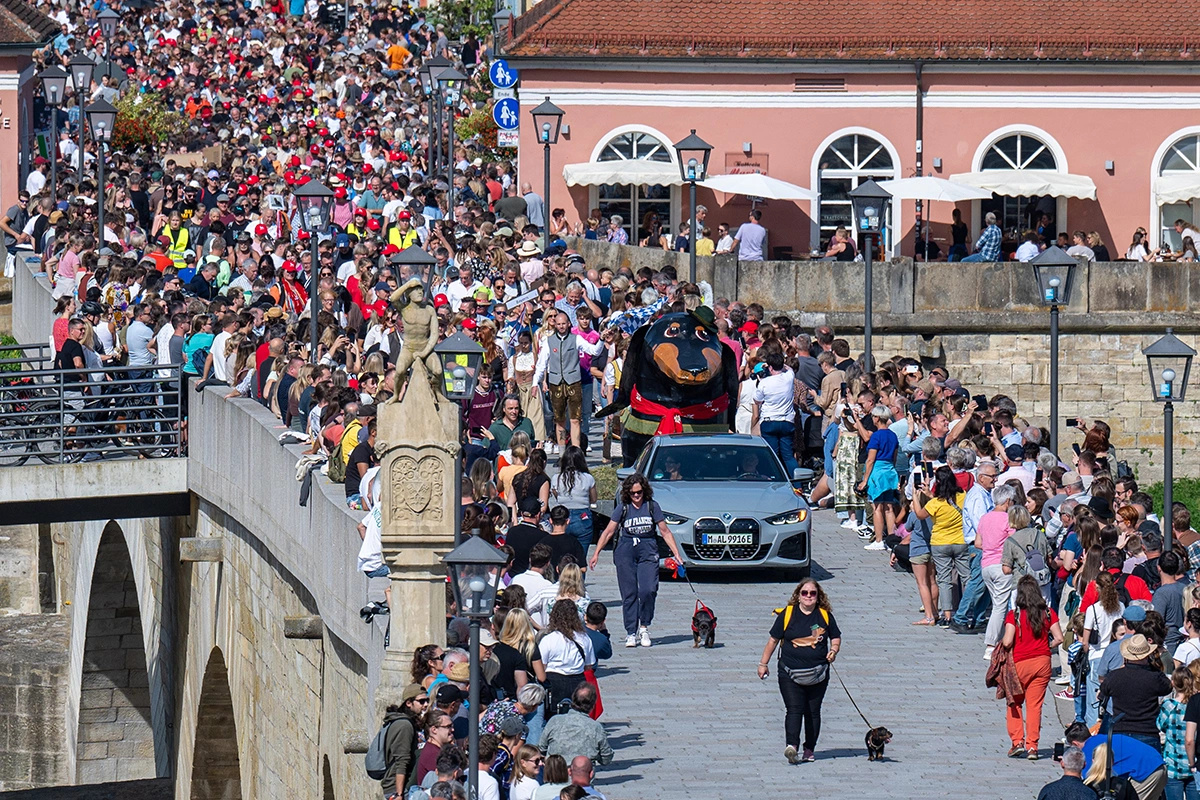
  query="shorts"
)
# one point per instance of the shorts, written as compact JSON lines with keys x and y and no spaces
{"x":381,"y":571}
{"x":924,"y":558}
{"x":566,"y":399}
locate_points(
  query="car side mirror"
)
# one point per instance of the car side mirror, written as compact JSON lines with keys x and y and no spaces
{"x":802,"y":478}
{"x":624,"y":472}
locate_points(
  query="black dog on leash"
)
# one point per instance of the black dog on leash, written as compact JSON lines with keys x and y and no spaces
{"x":704,"y":626}
{"x":877,"y":739}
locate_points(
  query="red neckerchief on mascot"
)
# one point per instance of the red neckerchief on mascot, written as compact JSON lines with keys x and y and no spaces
{"x":672,"y":418}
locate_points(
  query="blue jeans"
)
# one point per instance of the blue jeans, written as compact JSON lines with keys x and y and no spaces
{"x":958,"y":252}
{"x":1148,"y":739}
{"x":580,"y":527}
{"x":779,"y":435}
{"x":637,"y":578}
{"x":1091,"y":706}
{"x":1181,"y":789}
{"x":974,"y":257}
{"x":975,"y":598}
{"x":585,"y":421}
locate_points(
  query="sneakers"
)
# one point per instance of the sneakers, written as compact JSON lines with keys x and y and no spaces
{"x":987,"y":652}
{"x":1017,"y":751}
{"x":791,"y":755}
{"x":808,"y":755}
{"x":1033,"y":755}
{"x":644,"y":637}
{"x":1063,"y":680}
{"x":876,"y":546}
{"x":370,"y":610}
{"x":631,"y":640}
{"x":849,"y":523}
{"x":943,"y":622}
{"x":1065,"y":694}
{"x":865,"y":532}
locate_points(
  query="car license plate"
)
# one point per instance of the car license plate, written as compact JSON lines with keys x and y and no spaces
{"x":727,"y":538}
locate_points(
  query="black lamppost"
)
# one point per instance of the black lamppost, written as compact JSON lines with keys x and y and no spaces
{"x":54,"y":84}
{"x":547,"y":121}
{"x":444,"y":78}
{"x":1055,"y":274}
{"x":108,"y":20}
{"x":414,"y":262}
{"x":81,"y":79}
{"x":474,"y":569}
{"x":430,"y":68}
{"x":501,"y":21}
{"x":693,"y":154}
{"x":102,"y":117}
{"x":1170,"y":361}
{"x":870,"y":203}
{"x":461,"y":358}
{"x":315,"y":200}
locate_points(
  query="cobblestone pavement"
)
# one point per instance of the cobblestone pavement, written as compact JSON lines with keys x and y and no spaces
{"x":691,"y":723}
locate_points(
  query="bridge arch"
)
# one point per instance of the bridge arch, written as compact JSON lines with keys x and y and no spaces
{"x":216,"y":761}
{"x":117,"y":717}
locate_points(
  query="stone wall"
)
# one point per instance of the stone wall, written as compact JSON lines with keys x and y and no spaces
{"x":33,"y":691}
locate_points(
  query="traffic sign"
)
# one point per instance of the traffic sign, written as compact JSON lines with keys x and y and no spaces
{"x":503,"y":76}
{"x":507,"y":138}
{"x":507,"y":114}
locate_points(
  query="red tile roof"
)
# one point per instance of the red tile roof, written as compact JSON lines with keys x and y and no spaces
{"x":851,"y":30}
{"x":22,"y":24}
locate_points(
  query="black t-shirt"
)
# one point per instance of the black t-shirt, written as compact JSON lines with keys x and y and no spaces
{"x":564,"y":544}
{"x":528,"y":486}
{"x":283,"y":395}
{"x":511,"y":662}
{"x":361,"y":454}
{"x":521,"y":538}
{"x":811,"y":631}
{"x":65,"y":359}
{"x":1192,"y":714}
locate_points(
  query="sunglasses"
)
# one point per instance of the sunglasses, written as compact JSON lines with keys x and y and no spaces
{"x":636,"y":493}
{"x":808,"y":594}
{"x":421,"y":699}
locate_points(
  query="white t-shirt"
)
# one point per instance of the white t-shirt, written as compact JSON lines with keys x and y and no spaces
{"x":220,"y":370}
{"x":558,"y":654}
{"x":1188,"y":652}
{"x":1100,"y":621}
{"x":370,"y":555}
{"x":580,"y":495}
{"x":533,"y":583}
{"x":487,"y":786}
{"x":776,"y":392}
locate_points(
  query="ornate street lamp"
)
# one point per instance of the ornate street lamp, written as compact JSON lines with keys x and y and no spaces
{"x":430,"y":86}
{"x":1170,"y":363}
{"x":547,"y":121}
{"x":1055,"y":274}
{"x":315,"y":201}
{"x":870,"y":205}
{"x":102,"y":117}
{"x":501,"y":21}
{"x":54,"y":85}
{"x":81,"y":79}
{"x":414,"y":262}
{"x":474,"y":568}
{"x":108,"y":20}
{"x":693,"y":154}
{"x":461,"y":358}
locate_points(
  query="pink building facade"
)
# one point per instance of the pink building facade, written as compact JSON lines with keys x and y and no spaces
{"x":827,"y":124}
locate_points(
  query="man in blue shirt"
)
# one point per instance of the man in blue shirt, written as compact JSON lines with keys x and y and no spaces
{"x":987,"y":248}
{"x":1139,"y":762}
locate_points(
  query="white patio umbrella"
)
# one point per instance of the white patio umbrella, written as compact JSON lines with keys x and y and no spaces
{"x":927,"y":187}
{"x":757,"y":185}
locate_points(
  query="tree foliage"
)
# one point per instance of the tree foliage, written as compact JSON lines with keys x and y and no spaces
{"x":462,"y":17}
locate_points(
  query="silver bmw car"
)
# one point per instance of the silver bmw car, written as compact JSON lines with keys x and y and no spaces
{"x":728,"y":501}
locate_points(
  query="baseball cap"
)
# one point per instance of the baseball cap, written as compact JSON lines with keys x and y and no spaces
{"x":449,"y":693}
{"x":1014,"y":452}
{"x":212,"y":173}
{"x":514,"y":726}
{"x":413,"y":690}
{"x":926,"y":386}
{"x":1134,"y":614}
{"x":529,"y":505}
{"x":486,"y":638}
{"x":440,"y":300}
{"x":750,"y":327}
{"x":470,"y":324}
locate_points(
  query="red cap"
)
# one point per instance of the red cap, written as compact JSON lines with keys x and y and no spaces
{"x":165,"y":241}
{"x":373,"y":225}
{"x":367,"y":169}
{"x":289,"y":177}
{"x":243,"y":188}
{"x":391,"y":249}
{"x":470,"y":324}
{"x":440,"y":300}
{"x":329,"y":143}
{"x":750,"y":327}
{"x":312,"y":123}
{"x":314,"y":149}
{"x":323,"y":132}
{"x":252,"y":180}
{"x":340,"y":193}
{"x":404,"y":215}
{"x":294,"y":161}
{"x":303,"y":235}
{"x":290,"y":266}
{"x":394,"y":155}
{"x":260,"y":229}
{"x":308,"y":92}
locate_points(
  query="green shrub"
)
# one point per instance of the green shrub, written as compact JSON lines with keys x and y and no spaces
{"x":7,"y":354}
{"x":1185,"y":490}
{"x":606,"y":482}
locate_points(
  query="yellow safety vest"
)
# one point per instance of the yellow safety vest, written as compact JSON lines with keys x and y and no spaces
{"x":179,"y":243}
{"x":402,"y":240}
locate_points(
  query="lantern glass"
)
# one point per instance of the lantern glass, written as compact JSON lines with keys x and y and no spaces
{"x":547,"y":120}
{"x":693,"y":153}
{"x":1055,"y":274}
{"x":315,"y":201}
{"x":54,"y":83}
{"x":102,"y":117}
{"x":81,"y":74}
{"x":108,"y":23}
{"x":870,"y":204}
{"x":413,"y":262}
{"x":1170,"y":363}
{"x":474,"y":568}
{"x":461,"y":358}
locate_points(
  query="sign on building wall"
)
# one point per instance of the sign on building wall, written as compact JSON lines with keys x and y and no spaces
{"x":742,"y":164}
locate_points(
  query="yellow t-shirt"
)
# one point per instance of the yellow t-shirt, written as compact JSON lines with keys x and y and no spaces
{"x":947,"y":521}
{"x":705,"y":246}
{"x":350,"y":441}
{"x":396,"y":55}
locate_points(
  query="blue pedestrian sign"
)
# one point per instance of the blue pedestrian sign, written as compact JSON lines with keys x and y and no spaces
{"x":507,"y":114}
{"x":503,"y":76}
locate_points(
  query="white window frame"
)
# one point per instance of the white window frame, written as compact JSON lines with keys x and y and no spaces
{"x":594,"y":191}
{"x":1060,"y":166}
{"x":895,"y":230}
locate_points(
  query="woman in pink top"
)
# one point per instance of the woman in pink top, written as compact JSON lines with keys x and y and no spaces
{"x":993,"y":529}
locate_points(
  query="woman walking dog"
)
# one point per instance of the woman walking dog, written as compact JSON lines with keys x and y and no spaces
{"x":810,"y":640}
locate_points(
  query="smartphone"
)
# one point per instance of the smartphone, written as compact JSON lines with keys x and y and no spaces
{"x":845,"y":389}
{"x":912,"y":369}
{"x":1037,"y":478}
{"x":981,"y":403}
{"x":1071,"y":422}
{"x":987,"y":428}
{"x":1059,"y":749}
{"x":1075,"y":447}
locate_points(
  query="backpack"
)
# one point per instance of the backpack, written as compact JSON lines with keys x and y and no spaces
{"x":376,"y":759}
{"x":337,"y":465}
{"x":1036,"y":568}
{"x":1122,"y":592}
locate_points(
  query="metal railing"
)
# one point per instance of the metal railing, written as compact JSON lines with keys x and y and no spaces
{"x":25,"y":356}
{"x":64,"y":416}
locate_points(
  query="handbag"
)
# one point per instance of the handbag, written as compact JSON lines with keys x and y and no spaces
{"x":589,"y":676}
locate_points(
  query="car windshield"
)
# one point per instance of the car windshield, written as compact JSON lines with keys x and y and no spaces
{"x":726,"y":462}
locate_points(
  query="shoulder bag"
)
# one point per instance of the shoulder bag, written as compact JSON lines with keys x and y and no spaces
{"x":808,"y":676}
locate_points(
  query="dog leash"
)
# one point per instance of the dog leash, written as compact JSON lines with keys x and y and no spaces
{"x":847,"y":691}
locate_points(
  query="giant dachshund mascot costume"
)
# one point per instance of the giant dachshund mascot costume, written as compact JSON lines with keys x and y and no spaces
{"x":678,"y":377}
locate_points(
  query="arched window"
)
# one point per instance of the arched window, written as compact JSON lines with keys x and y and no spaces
{"x":634,"y":202}
{"x":1181,"y":159}
{"x":847,"y":162}
{"x":1015,"y":215}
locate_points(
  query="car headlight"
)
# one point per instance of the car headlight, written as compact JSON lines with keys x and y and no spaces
{"x":674,"y":519}
{"x":793,"y":517}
